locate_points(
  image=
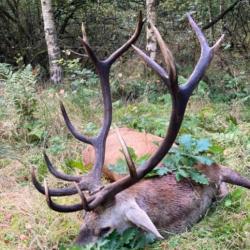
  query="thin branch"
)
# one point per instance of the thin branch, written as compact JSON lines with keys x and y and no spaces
{"x":221,"y":16}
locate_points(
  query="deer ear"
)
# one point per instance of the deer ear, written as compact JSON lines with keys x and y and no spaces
{"x":140,"y":218}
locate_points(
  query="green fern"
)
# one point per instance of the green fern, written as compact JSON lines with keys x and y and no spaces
{"x":21,"y":98}
{"x":20,"y":93}
{"x":5,"y":71}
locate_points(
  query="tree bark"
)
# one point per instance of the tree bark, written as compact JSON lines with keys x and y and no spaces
{"x":151,"y":39}
{"x":210,"y":7}
{"x":222,"y":8}
{"x":54,"y":52}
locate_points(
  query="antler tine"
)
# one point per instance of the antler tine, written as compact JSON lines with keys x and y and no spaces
{"x":167,"y":55}
{"x":180,"y":96}
{"x":60,"y":208}
{"x":153,"y":65}
{"x":90,"y":52}
{"x":58,"y":174}
{"x":204,"y":60}
{"x":112,"y":58}
{"x":53,"y":192}
{"x":128,"y":158}
{"x":72,"y":129}
{"x":83,"y":199}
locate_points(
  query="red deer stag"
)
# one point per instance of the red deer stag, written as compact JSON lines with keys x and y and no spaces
{"x":155,"y":205}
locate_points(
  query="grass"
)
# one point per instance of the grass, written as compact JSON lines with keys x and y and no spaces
{"x":27,"y":223}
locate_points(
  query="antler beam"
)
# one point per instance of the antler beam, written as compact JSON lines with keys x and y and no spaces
{"x":91,"y":181}
{"x":180,"y":96}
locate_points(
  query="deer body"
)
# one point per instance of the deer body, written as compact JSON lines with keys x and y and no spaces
{"x":171,"y":206}
{"x":157,"y":205}
{"x":142,"y":143}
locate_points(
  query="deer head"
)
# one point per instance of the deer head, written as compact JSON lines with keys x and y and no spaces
{"x":109,"y":206}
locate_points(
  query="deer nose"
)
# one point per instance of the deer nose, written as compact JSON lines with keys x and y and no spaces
{"x":85,"y":237}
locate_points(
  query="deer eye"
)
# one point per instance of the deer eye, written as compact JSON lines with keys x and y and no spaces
{"x":103,"y":231}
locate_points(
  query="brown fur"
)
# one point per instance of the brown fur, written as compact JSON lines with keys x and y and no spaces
{"x":142,"y":143}
{"x":170,"y":206}
{"x":173,"y":206}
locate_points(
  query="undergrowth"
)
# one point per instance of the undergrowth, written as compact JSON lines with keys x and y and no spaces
{"x":131,"y":238}
{"x":32,"y":122}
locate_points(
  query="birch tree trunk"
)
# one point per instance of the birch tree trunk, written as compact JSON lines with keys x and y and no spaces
{"x":210,"y":7}
{"x":54,"y":52}
{"x":222,"y":8}
{"x":151,"y":40}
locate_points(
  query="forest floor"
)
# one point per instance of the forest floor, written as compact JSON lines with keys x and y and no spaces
{"x":27,"y":223}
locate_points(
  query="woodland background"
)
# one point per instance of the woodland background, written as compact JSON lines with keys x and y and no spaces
{"x":30,"y":120}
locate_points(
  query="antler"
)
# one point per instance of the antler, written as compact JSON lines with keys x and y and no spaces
{"x":180,"y":95}
{"x":91,"y":181}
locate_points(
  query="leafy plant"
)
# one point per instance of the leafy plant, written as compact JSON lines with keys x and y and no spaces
{"x":144,"y":117}
{"x":20,"y":96}
{"x":5,"y":71}
{"x":181,"y":159}
{"x":71,"y":165}
{"x":20,"y":88}
{"x":236,"y":86}
{"x":78,"y":75}
{"x":57,"y":145}
{"x":131,"y":238}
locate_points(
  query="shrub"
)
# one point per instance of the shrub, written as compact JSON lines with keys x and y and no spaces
{"x":22,"y":102}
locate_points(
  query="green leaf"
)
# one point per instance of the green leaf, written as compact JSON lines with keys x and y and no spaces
{"x":232,"y":119}
{"x":216,"y":149}
{"x":199,"y":177}
{"x":236,"y":195}
{"x":202,"y":145}
{"x":151,"y":174}
{"x":128,"y":235}
{"x":159,"y":171}
{"x":182,"y":79}
{"x":162,"y":171}
{"x":37,"y":131}
{"x":132,"y":153}
{"x":204,"y":160}
{"x":172,"y":160}
{"x":181,"y":173}
{"x":187,"y":160}
{"x":120,"y":167}
{"x":142,"y":159}
{"x":178,"y":176}
{"x":228,"y":203}
{"x":75,"y":164}
{"x":186,"y":141}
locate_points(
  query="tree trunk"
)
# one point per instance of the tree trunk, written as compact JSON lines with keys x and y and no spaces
{"x":210,"y":20}
{"x":151,"y":40}
{"x":54,"y":52}
{"x":222,"y":8}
